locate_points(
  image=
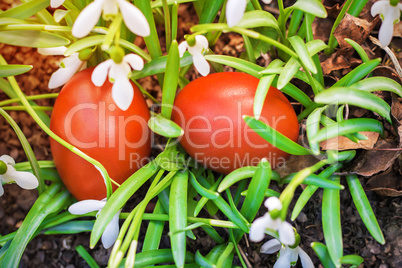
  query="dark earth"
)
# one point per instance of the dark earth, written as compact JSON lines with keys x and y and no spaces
{"x":379,"y":167}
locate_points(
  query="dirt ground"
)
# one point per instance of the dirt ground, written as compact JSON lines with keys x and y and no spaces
{"x":381,"y":179}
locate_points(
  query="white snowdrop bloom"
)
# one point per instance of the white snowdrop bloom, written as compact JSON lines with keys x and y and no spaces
{"x":68,"y":66}
{"x":287,"y":256}
{"x":235,"y":11}
{"x":8,"y":174}
{"x":260,"y":225}
{"x":122,"y":90}
{"x":111,"y":232}
{"x":89,"y":17}
{"x":56,"y":3}
{"x":390,"y":15}
{"x":197,"y":51}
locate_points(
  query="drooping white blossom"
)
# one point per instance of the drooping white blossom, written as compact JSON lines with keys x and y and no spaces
{"x":390,"y":15}
{"x":197,"y":51}
{"x":68,"y":66}
{"x":287,"y":256}
{"x":266,"y":222}
{"x":122,"y":90}
{"x":56,"y":3}
{"x":235,"y":10}
{"x":111,"y":232}
{"x":89,"y":17}
{"x":24,"y":179}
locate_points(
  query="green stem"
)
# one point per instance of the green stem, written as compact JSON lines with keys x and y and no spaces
{"x":33,"y":97}
{"x":168,"y":27}
{"x":113,"y":32}
{"x":23,"y":108}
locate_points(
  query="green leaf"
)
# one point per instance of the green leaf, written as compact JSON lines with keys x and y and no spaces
{"x":210,"y":10}
{"x":165,"y":127}
{"x":352,"y":259}
{"x":379,"y":83}
{"x":364,"y":208}
{"x":119,"y":198}
{"x":258,"y":18}
{"x":322,"y":253}
{"x":356,"y":97}
{"x":71,"y":227}
{"x":263,"y":87}
{"x":331,"y":223}
{"x":152,"y":257}
{"x":313,"y":7}
{"x":301,"y":50}
{"x":359,"y":49}
{"x":86,"y":256}
{"x":239,"y":64}
{"x":25,"y":10}
{"x":313,"y":126}
{"x":171,"y":80}
{"x":14,"y":69}
{"x":275,"y":138}
{"x":178,"y":216}
{"x":358,"y":73}
{"x":349,"y":126}
{"x":158,"y":66}
{"x":31,"y":38}
{"x":7,"y":21}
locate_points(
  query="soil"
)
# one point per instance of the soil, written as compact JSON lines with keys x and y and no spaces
{"x":59,"y":250}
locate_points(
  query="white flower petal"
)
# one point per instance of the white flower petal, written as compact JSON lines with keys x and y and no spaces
{"x":271,"y":246}
{"x":117,"y":71}
{"x":201,"y":64}
{"x":378,"y":7}
{"x":387,"y":27}
{"x":87,"y":19}
{"x":56,"y":3}
{"x":202,"y":42}
{"x":293,"y":256}
{"x":7,"y":159}
{"x":235,"y":11}
{"x":135,"y":61}
{"x":257,"y":229}
{"x":273,"y":203}
{"x":24,"y":179}
{"x":72,"y":65}
{"x":86,"y":206}
{"x":52,"y":51}
{"x":286,"y":233}
{"x":182,"y":48}
{"x":1,"y":189}
{"x":267,"y":2}
{"x":305,"y":259}
{"x":134,"y":18}
{"x":122,"y":93}
{"x":283,"y":260}
{"x":110,"y":7}
{"x":111,"y":232}
{"x":100,"y":73}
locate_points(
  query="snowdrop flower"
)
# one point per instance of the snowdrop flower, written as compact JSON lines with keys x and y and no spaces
{"x":89,"y":17}
{"x":390,"y":15}
{"x":56,"y":3}
{"x":68,"y":67}
{"x":260,"y":225}
{"x":8,"y":174}
{"x":235,"y":10}
{"x":111,"y":232}
{"x":197,"y":51}
{"x":122,"y":90}
{"x":287,"y":256}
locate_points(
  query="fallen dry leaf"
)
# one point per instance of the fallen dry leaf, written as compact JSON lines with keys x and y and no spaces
{"x":353,"y":28}
{"x":388,"y":183}
{"x":342,"y":143}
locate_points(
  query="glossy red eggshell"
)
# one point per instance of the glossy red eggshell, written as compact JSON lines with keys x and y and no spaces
{"x":86,"y":116}
{"x":210,"y":111}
